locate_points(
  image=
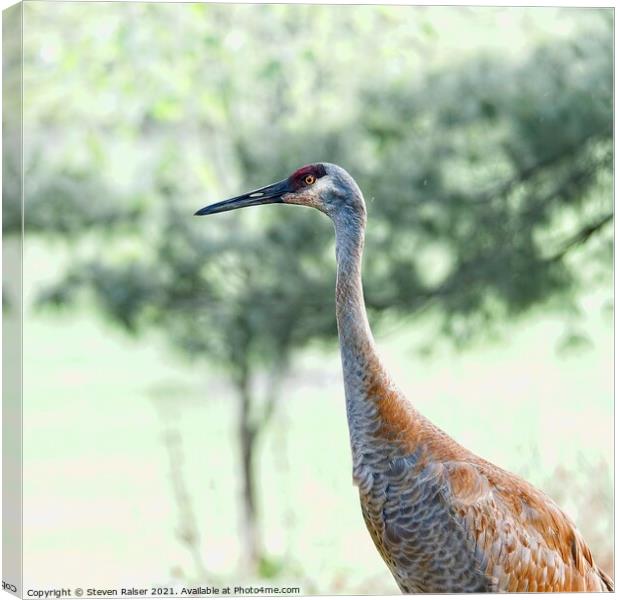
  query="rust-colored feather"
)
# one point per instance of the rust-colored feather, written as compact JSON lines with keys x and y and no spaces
{"x":526,"y":543}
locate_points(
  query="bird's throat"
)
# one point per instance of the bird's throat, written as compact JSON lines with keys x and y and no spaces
{"x":356,"y":341}
{"x":361,"y":367}
{"x":378,"y":414}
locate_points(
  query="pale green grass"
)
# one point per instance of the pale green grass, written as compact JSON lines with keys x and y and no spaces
{"x":99,"y":504}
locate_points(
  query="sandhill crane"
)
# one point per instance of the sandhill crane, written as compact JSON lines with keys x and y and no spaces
{"x":442,"y":518}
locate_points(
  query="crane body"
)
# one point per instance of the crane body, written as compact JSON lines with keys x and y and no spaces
{"x":442,"y":518}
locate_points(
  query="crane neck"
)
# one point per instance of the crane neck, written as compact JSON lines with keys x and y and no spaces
{"x":351,"y":313}
{"x":377,"y":412}
{"x":357,"y":346}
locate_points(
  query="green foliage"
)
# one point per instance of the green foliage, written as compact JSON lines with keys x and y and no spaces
{"x":483,"y":171}
{"x":270,"y":568}
{"x":503,"y":168}
{"x":482,"y":139}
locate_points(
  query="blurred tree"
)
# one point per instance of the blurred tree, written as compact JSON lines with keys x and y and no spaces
{"x":492,"y":176}
{"x":502,"y":170}
{"x":230,"y":297}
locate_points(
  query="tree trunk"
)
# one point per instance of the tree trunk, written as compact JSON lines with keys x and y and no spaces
{"x":252,"y":550}
{"x":251,"y":423}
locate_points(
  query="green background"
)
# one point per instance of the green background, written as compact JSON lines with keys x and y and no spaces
{"x":135,"y":115}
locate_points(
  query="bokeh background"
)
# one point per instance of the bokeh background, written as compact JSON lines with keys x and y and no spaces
{"x":183,"y":401}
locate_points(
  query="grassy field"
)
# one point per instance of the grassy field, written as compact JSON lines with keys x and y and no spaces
{"x":130,"y":453}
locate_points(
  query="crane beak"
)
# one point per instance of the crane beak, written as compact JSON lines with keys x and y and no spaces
{"x":269,"y":194}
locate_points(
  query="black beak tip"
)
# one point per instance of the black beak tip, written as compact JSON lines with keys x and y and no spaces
{"x":267,"y":195}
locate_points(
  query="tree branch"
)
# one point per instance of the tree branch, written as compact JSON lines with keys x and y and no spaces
{"x":527,"y":173}
{"x":272,"y":396}
{"x":582,"y":236}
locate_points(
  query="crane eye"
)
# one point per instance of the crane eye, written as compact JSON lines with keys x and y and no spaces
{"x":309,"y":179}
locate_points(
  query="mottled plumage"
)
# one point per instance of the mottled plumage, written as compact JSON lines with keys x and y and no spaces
{"x":443,"y":519}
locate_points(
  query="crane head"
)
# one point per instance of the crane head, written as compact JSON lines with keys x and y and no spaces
{"x":323,"y":186}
